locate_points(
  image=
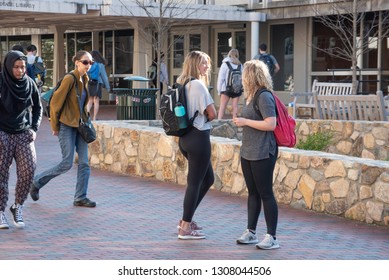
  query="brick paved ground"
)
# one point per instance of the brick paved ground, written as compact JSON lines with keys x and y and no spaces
{"x":136,"y":218}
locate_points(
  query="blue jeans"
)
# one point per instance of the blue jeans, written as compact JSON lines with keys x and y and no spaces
{"x":70,"y":141}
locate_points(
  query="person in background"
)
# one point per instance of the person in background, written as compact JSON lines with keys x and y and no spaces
{"x":98,"y":79}
{"x":163,"y":77}
{"x":152,"y":74}
{"x":18,"y":96}
{"x":64,"y":120}
{"x":196,"y":145}
{"x":36,"y":69}
{"x":269,"y":60}
{"x":259,"y":153}
{"x":233,"y":59}
{"x":18,"y":48}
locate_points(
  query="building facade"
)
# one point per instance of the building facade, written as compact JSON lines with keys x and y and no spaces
{"x":126,"y":33}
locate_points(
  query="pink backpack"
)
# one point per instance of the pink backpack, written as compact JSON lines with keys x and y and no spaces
{"x":285,"y":129}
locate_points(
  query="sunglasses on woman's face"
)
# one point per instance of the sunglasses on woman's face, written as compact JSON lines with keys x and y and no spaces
{"x":86,"y":62}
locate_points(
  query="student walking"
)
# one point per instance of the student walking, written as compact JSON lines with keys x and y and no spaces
{"x":259,"y":153}
{"x":65,"y":116}
{"x":232,"y":60}
{"x":196,"y":144}
{"x":36,"y":69}
{"x":19,"y":96}
{"x":268,"y":59}
{"x":98,"y":79}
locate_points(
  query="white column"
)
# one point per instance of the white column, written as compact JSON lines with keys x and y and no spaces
{"x":254,"y":39}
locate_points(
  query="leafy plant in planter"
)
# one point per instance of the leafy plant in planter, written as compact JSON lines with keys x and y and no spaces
{"x":317,"y":141}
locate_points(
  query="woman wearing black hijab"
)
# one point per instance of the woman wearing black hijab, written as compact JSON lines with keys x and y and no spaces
{"x":20,"y":117}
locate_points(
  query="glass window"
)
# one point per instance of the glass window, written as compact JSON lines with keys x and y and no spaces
{"x":84,"y":41}
{"x":224,"y":45}
{"x":47,"y":54}
{"x":240,"y":43}
{"x":370,"y":55}
{"x":178,"y":51}
{"x":70,"y":47}
{"x":24,"y":41}
{"x":194,"y":42}
{"x":325,"y":38}
{"x":282,"y":48}
{"x":3,"y":48}
{"x":124,"y":51}
{"x":108,"y":54}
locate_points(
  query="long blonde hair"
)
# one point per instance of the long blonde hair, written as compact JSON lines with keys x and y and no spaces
{"x":234,"y":55}
{"x":190,"y":68}
{"x":255,"y":76}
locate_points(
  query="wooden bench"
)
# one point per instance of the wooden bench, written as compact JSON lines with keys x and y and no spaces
{"x":351,"y":107}
{"x":305,"y":99}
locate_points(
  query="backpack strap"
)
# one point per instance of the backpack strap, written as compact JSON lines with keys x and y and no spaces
{"x":191,"y":120}
{"x":255,"y":101}
{"x":229,"y":66}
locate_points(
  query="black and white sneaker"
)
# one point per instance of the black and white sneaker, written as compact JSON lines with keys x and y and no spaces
{"x":17,"y":215}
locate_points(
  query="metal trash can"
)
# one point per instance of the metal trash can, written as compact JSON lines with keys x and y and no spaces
{"x":135,"y":103}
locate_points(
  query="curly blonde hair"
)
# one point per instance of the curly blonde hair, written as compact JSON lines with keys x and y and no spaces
{"x":190,"y":68}
{"x":255,"y":76}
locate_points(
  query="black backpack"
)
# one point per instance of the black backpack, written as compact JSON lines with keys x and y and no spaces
{"x":234,"y":81}
{"x":37,"y":68}
{"x":46,"y":96}
{"x":267,"y":59}
{"x":175,"y":96}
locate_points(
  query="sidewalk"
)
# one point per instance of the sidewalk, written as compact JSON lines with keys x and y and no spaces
{"x":136,"y":219}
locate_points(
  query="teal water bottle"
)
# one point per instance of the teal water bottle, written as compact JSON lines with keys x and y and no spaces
{"x":179,"y":111}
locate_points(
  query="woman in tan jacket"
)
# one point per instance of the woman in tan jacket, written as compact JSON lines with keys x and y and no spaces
{"x":64,"y":120}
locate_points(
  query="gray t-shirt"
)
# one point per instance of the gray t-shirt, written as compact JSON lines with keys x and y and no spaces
{"x":258,"y":144}
{"x":198,"y":98}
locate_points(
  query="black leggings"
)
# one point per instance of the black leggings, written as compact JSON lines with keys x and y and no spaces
{"x":196,"y":148}
{"x":258,"y":175}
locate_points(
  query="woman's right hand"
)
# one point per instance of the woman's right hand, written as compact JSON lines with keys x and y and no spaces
{"x":239,"y":121}
{"x":55,"y":133}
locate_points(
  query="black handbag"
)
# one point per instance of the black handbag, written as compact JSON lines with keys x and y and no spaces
{"x":85,"y":128}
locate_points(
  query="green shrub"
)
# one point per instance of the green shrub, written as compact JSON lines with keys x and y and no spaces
{"x":317,"y":141}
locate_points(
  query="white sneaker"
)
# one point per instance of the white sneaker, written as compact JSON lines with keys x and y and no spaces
{"x":17,"y":215}
{"x":3,"y":221}
{"x":247,"y":238}
{"x":268,"y":243}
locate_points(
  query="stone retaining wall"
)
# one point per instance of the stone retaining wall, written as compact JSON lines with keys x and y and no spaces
{"x":328,"y":183}
{"x":362,"y":139}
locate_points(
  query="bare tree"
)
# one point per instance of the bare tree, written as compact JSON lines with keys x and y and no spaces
{"x":161,"y":15}
{"x":344,"y":18}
